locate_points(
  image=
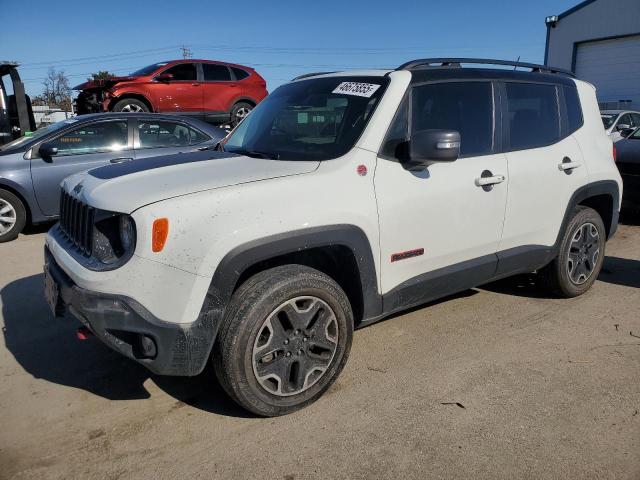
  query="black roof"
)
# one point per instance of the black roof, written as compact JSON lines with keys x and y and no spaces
{"x":421,"y":75}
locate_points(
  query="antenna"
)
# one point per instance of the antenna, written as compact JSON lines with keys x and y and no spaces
{"x":517,"y":60}
{"x":186,"y":52}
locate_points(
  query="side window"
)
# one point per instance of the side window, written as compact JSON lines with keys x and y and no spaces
{"x":183,"y":71}
{"x":93,"y":138}
{"x":574,"y":109}
{"x":636,"y":119}
{"x":216,"y":73}
{"x":239,"y":73}
{"x":463,"y":106}
{"x":624,"y":120}
{"x":534,"y":120}
{"x":160,"y":134}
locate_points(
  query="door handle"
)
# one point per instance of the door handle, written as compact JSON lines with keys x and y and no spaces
{"x":195,"y":84}
{"x":486,"y":181}
{"x":567,"y":164}
{"x":120,"y":160}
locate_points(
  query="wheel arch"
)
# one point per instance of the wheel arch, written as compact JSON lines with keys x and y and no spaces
{"x":341,"y":251}
{"x":18,"y":192}
{"x":604,"y":197}
{"x":136,"y":95}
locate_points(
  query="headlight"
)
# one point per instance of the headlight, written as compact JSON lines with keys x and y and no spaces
{"x":114,"y":238}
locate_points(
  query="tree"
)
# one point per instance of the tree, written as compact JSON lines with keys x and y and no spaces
{"x":101,"y":75}
{"x":57,"y":93}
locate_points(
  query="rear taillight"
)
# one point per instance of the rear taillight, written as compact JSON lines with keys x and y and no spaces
{"x":615,"y":153}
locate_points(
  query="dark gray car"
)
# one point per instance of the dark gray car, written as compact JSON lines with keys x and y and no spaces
{"x":31,"y":168}
{"x":628,"y":162}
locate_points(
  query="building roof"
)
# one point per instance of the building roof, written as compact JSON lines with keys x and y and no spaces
{"x":575,"y":8}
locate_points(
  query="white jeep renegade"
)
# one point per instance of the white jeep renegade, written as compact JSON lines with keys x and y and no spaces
{"x":341,"y":199}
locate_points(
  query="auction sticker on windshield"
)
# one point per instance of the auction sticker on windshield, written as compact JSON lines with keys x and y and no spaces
{"x":356,"y":88}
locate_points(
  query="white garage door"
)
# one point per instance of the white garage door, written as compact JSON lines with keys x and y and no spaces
{"x":613,"y":66}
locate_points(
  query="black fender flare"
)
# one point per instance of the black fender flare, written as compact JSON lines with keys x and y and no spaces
{"x":602,"y":187}
{"x":242,"y":257}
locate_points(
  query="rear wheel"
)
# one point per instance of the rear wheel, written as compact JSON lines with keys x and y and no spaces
{"x":285,"y":339}
{"x":13,"y":216}
{"x":581,"y":255}
{"x":239,"y":111}
{"x":130,"y":105}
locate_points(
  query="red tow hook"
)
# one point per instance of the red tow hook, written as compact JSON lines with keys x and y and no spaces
{"x":83,"y":333}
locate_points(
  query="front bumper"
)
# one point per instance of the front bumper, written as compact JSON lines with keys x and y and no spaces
{"x":122,"y":324}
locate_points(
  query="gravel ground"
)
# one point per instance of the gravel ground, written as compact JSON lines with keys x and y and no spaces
{"x":496,"y":382}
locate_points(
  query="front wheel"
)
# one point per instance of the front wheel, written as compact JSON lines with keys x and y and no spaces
{"x":285,"y":339}
{"x":13,"y":216}
{"x":130,"y":105}
{"x":581,"y":255}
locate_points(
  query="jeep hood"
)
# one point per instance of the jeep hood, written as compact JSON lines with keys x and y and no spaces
{"x":125,"y":187}
{"x":103,"y":83}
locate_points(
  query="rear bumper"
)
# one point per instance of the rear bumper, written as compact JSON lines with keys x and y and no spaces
{"x":122,"y":324}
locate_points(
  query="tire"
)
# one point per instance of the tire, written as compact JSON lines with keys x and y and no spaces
{"x":580,"y":257}
{"x":13,"y":216}
{"x":255,"y":328}
{"x":239,"y":111}
{"x":131,"y":105}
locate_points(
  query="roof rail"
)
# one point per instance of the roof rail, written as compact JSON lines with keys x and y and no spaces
{"x":307,"y":75}
{"x":456,"y":63}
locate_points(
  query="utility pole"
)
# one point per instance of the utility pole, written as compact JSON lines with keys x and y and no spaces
{"x":186,"y":52}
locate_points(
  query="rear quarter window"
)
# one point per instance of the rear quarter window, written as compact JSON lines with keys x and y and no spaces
{"x":573,"y":109}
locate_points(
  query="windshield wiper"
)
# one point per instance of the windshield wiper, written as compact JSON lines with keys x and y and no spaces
{"x":258,"y":154}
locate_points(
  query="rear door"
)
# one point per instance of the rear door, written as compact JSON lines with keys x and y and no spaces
{"x":545,"y":162}
{"x":165,"y":137}
{"x":85,"y":147}
{"x":219,"y":88}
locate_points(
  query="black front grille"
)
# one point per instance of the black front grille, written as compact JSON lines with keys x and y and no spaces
{"x":76,"y":222}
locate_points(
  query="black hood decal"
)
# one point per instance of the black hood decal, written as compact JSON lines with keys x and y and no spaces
{"x":109,"y":172}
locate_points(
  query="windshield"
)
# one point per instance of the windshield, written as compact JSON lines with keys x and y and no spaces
{"x":41,"y":132}
{"x":316,"y":119}
{"x":148,"y":70}
{"x":607,"y":120}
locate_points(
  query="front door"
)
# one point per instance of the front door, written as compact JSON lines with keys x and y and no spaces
{"x":438,"y":222}
{"x":83,"y":148}
{"x":182,"y":92}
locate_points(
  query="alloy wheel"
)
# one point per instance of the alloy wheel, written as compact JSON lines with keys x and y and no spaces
{"x":584,"y":251}
{"x":8,"y":217}
{"x":295,"y":346}
{"x":131,"y":108}
{"x":241,"y":113}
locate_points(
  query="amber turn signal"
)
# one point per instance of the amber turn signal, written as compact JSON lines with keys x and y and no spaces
{"x":160,"y":234}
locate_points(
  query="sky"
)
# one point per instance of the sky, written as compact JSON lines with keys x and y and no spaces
{"x":280,"y":39}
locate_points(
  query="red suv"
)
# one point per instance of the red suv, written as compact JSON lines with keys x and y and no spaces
{"x":214,"y":91}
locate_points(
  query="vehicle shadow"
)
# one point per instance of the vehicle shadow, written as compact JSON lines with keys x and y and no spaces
{"x":38,"y":228}
{"x":619,"y":271}
{"x":47,"y":348}
{"x":630,"y":217}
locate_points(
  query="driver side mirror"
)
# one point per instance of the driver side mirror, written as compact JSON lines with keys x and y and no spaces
{"x":432,"y":146}
{"x":626,"y":132}
{"x":164,"y":77}
{"x":47,"y":150}
{"x":622,"y":126}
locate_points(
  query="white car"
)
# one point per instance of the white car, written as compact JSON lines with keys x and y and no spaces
{"x":618,"y":122}
{"x":342,"y":198}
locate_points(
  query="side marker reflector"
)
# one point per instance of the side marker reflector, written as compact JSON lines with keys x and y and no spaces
{"x":160,"y":234}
